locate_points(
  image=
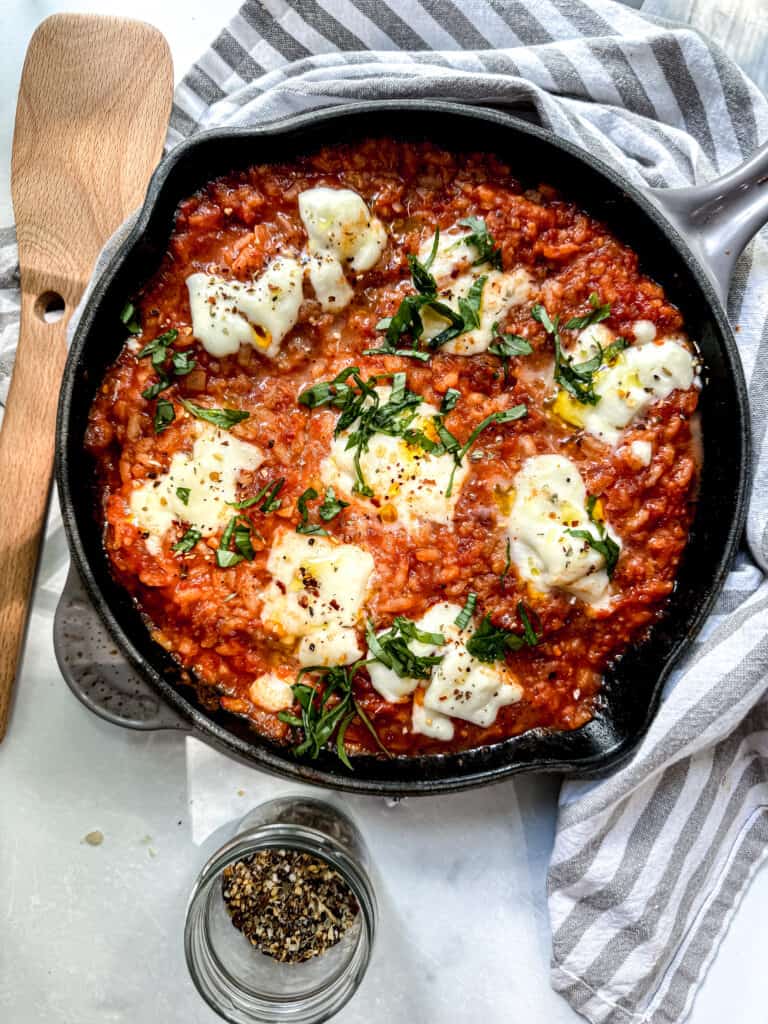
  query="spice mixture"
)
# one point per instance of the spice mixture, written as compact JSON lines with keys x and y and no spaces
{"x":288,"y":904}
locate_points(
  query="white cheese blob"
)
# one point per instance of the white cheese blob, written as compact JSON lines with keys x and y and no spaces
{"x":209,"y":472}
{"x":343,"y":235}
{"x":228,"y":314}
{"x":403,"y":476}
{"x":271,"y":692}
{"x":316,"y":596}
{"x":644,"y":331}
{"x":460,"y":686}
{"x":549,"y":500}
{"x":430,"y":723}
{"x":454,"y":273}
{"x":640,"y":376}
{"x":642,"y":452}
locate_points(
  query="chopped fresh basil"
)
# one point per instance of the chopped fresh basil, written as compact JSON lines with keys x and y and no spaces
{"x":450,"y":398}
{"x":158,"y":348}
{"x":223,"y":418}
{"x":508,"y":345}
{"x":304,"y":525}
{"x":238,"y":531}
{"x":465,"y":615}
{"x":129,"y":319}
{"x":578,"y":379}
{"x":161,"y":384}
{"x":187,"y":542}
{"x":183,"y":363}
{"x":271,"y":501}
{"x":507,"y":564}
{"x":326,"y":711}
{"x":182,"y":493}
{"x":331,"y":506}
{"x":482,"y":240}
{"x":578,"y":323}
{"x":165,"y":414}
{"x":603,"y":543}
{"x":491,"y":643}
{"x":391,"y":649}
{"x":507,"y":416}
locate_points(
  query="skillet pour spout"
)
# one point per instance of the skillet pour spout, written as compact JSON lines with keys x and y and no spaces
{"x":686,"y":239}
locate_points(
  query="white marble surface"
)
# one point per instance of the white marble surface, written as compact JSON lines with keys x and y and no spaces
{"x":93,"y":934}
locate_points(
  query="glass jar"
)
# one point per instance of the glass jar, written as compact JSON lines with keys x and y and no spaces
{"x":244,"y":985}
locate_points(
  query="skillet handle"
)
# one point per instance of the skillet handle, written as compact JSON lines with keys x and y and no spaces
{"x":96,"y":672}
{"x":718,"y":219}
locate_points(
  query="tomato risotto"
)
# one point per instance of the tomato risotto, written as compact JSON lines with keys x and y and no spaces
{"x":398,"y":455}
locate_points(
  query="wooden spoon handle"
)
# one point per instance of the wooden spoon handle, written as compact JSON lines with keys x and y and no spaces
{"x":26,"y":461}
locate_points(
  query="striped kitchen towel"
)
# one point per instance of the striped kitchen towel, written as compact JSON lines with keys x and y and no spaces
{"x":649,"y":863}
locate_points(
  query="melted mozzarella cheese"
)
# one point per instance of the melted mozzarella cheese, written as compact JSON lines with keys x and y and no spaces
{"x":454,"y":273}
{"x":343,"y":235}
{"x":405,"y":477}
{"x":271,"y":692}
{"x":430,"y":723}
{"x":640,"y":376}
{"x":460,"y":686}
{"x":228,"y":314}
{"x":209,"y":472}
{"x":642,"y":452}
{"x":316,"y":597}
{"x":549,"y":500}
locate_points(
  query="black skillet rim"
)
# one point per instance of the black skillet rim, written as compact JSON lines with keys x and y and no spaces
{"x":454,"y":771}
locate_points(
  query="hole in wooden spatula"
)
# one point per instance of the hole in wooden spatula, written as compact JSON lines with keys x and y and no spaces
{"x":50,"y":307}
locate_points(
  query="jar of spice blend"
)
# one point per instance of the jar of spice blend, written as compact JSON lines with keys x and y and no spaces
{"x":281,"y":920}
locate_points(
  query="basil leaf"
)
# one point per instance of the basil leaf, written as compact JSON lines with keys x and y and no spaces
{"x":516,"y":412}
{"x":165,"y":414}
{"x":129,"y":319}
{"x":392,"y":650}
{"x":188,"y":541}
{"x":469,"y":306}
{"x":160,"y":385}
{"x":491,"y":643}
{"x":223,"y":418}
{"x":331,"y":506}
{"x":304,"y":526}
{"x":271,"y":502}
{"x":183,"y":363}
{"x":182,"y":493}
{"x":433,"y":251}
{"x":465,"y":615}
{"x":450,"y":398}
{"x":603,"y":543}
{"x":158,"y":347}
{"x":598,"y":313}
{"x":482,"y":240}
{"x":507,"y":564}
{"x":611,"y":353}
{"x":508,"y":345}
{"x":423,"y":281}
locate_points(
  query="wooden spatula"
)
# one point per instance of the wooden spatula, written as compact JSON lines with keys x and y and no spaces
{"x":92,"y":115}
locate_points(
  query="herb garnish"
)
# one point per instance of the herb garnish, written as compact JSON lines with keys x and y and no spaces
{"x":603,"y":543}
{"x":238,"y":531}
{"x":182,"y":493}
{"x":129,"y":319}
{"x":462,"y":620}
{"x":159,"y":349}
{"x":165,"y":414}
{"x":392,"y":650}
{"x":407,"y":319}
{"x":187,"y":542}
{"x":359,"y":402}
{"x":223,"y":418}
{"x":268,"y":492}
{"x":508,"y":345}
{"x":578,"y":378}
{"x":321,"y":717}
{"x":491,"y":643}
{"x":506,"y":416}
{"x":304,"y":526}
{"x":450,"y":398}
{"x":507,"y":564}
{"x":331,"y":506}
{"x":481,"y":238}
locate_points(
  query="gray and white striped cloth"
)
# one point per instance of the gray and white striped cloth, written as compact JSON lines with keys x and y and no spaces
{"x":649,"y":863}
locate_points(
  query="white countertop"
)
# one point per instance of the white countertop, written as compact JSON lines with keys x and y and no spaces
{"x":93,"y":934}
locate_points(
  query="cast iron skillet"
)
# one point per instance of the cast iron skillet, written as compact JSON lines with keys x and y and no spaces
{"x":631,"y":691}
